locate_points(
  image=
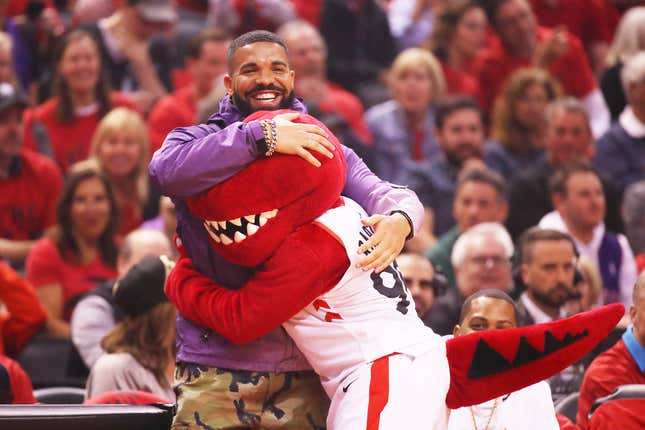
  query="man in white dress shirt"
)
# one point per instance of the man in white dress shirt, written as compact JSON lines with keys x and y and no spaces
{"x":525,"y":409}
{"x":579,"y":203}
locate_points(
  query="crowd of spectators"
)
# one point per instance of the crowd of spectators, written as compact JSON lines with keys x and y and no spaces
{"x":520,"y":124}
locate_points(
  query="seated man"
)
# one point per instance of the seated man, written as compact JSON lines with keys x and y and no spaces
{"x":355,"y":327}
{"x":623,"y":363}
{"x":528,"y":408}
{"x":423,"y":281}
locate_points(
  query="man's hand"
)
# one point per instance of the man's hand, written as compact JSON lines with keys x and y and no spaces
{"x":390,"y":232}
{"x":301,"y":139}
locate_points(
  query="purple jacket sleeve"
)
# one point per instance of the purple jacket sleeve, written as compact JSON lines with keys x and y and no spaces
{"x":377,"y":196}
{"x":193,"y":159}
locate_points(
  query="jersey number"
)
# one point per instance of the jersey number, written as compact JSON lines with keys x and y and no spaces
{"x":398,"y":290}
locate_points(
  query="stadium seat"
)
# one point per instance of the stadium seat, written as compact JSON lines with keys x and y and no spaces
{"x":568,"y":406}
{"x":630,"y":391}
{"x":46,"y":360}
{"x":60,"y":395}
{"x":86,"y":417}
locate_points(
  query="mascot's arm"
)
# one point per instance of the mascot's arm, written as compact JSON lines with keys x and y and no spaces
{"x":309,"y":263}
{"x":193,"y":159}
{"x":377,"y":196}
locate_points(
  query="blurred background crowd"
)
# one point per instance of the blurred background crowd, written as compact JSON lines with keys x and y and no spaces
{"x":520,"y":124}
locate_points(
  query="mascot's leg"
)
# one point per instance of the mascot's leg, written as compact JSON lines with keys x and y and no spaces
{"x":392,"y":393}
{"x":489,"y":364}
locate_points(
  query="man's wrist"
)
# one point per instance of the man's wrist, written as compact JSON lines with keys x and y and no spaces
{"x":408,"y":219}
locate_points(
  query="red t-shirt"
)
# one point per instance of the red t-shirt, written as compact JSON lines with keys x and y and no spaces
{"x":348,"y":107}
{"x":612,"y":368}
{"x":21,"y":389}
{"x":69,"y":142}
{"x":45,"y":266}
{"x":458,"y":82}
{"x":495,"y":64}
{"x":28,"y":197}
{"x":25,"y":314}
{"x":178,"y":109}
{"x":583,"y":18}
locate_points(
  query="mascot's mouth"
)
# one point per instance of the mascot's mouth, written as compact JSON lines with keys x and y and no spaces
{"x":238,"y":229}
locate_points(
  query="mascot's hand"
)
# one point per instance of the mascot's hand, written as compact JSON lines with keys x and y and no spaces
{"x":390,"y":232}
{"x":300,"y":139}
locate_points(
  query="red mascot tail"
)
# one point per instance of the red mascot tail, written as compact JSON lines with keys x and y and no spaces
{"x":489,"y":364}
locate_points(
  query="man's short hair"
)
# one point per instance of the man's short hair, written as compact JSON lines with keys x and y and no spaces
{"x":194,"y":48}
{"x":491,"y":7}
{"x":251,"y":37}
{"x":490,"y":293}
{"x":452,"y":104}
{"x":486,"y":176}
{"x":527,"y":241}
{"x":567,"y":104}
{"x":476,"y":232}
{"x":558,"y":181}
{"x":633,"y":71}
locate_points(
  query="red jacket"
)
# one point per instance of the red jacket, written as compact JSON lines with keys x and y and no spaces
{"x":25,"y":314}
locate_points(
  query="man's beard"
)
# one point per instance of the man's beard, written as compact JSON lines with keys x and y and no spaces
{"x":246,"y":109}
{"x":553,"y":300}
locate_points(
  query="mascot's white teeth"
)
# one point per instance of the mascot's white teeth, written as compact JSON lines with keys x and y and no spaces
{"x":238,"y":229}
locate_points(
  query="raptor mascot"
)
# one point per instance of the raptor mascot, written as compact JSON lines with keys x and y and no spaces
{"x":381,"y":367}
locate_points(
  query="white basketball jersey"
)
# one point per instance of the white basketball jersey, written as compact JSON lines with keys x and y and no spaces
{"x":364,"y":317}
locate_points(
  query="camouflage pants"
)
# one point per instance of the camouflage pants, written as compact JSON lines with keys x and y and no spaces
{"x":211,"y":398}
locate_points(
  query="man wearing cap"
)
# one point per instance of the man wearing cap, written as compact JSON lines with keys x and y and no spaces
{"x":137,"y":62}
{"x":29,"y":184}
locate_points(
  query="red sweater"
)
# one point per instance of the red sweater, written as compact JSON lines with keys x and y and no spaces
{"x":25,"y":314}
{"x":69,"y":142}
{"x":20,"y":385}
{"x":612,"y":368}
{"x":290,"y":280}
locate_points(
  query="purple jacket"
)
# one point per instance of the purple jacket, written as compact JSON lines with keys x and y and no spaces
{"x":193,"y":159}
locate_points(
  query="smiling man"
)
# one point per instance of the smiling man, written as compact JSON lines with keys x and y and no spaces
{"x":266,"y":383}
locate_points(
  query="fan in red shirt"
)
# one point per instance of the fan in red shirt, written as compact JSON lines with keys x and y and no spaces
{"x":523,"y":43}
{"x":82,"y":255}
{"x":26,"y":178}
{"x":308,"y":58}
{"x":622,"y":364}
{"x":205,"y":63}
{"x":459,"y":34}
{"x":63,"y":126}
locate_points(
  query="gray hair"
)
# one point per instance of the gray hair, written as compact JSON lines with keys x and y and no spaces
{"x":475,"y":234}
{"x":569,"y":105}
{"x":633,"y":213}
{"x":143,"y":239}
{"x":633,"y":71}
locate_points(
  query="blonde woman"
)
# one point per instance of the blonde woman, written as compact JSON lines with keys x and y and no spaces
{"x":119,"y":149}
{"x":403,"y":127}
{"x":519,"y":121}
